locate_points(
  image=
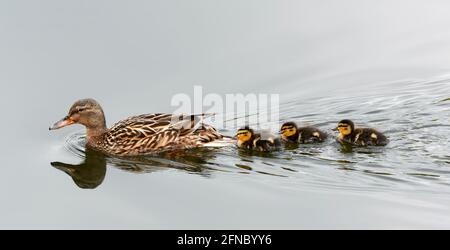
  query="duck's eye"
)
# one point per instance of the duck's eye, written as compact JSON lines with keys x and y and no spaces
{"x":81,"y":110}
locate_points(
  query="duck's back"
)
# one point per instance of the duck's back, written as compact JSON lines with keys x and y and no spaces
{"x":149,"y":133}
{"x":369,"y":137}
{"x":266,"y":142}
{"x":311,"y":135}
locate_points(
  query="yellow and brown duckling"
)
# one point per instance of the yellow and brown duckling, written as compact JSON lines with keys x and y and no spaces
{"x":140,"y":135}
{"x":263,"y":142}
{"x":292,"y":133}
{"x":360,"y":136}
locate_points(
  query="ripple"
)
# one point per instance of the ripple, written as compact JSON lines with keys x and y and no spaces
{"x":375,"y":112}
{"x":346,"y":111}
{"x":75,"y":143}
{"x":415,"y":158}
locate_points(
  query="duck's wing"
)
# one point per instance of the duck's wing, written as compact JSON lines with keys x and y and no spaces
{"x":145,"y":133}
{"x":312,"y":135}
{"x":375,"y":138}
{"x":368,"y":137}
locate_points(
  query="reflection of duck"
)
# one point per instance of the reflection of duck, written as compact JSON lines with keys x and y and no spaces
{"x":88,"y":175}
{"x":143,"y":134}
{"x":292,"y":133}
{"x":359,"y":136}
{"x":198,"y":161}
{"x":248,"y":139}
{"x":91,"y":173}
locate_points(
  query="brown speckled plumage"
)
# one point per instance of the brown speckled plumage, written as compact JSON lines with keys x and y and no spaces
{"x":139,"y":135}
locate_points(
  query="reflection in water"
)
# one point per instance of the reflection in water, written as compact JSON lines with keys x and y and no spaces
{"x":192,"y":161}
{"x":250,"y":153}
{"x":87,"y":175}
{"x":346,"y":148}
{"x":91,"y":173}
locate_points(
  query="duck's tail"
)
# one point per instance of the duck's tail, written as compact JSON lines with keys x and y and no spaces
{"x":225,"y":141}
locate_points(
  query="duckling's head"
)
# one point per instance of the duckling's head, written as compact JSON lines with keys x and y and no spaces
{"x":244,"y":134}
{"x":345,"y":127}
{"x":288,"y":129}
{"x":86,"y":112}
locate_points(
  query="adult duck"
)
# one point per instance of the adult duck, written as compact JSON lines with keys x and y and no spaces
{"x":142,"y":134}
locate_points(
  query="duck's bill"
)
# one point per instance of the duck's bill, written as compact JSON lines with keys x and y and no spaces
{"x":66,"y":121}
{"x":335,"y":129}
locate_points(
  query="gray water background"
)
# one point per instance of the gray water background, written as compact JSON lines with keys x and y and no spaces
{"x":382,"y":63}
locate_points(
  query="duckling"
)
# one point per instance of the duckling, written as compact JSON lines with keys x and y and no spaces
{"x":292,"y":133}
{"x":248,"y":139}
{"x":359,"y":136}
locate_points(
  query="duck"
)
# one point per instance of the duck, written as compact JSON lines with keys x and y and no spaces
{"x":141,"y":134}
{"x":248,"y":139}
{"x":290,"y":132}
{"x":348,"y":133}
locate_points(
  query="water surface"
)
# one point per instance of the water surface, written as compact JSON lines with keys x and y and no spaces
{"x":381,"y":64}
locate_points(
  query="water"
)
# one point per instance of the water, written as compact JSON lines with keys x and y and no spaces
{"x":380,"y":66}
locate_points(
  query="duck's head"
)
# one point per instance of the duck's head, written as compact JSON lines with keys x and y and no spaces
{"x":244,"y":134}
{"x":288,"y":129}
{"x":345,"y":127}
{"x":86,"y":112}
